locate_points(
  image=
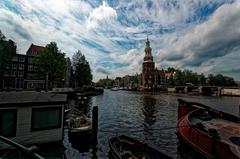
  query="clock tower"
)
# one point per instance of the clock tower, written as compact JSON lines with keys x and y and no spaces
{"x":148,"y":67}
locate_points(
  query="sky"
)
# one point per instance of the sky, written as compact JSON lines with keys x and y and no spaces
{"x":201,"y":35}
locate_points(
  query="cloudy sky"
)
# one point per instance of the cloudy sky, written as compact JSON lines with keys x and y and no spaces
{"x":202,"y":35}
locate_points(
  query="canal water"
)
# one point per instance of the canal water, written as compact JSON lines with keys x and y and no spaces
{"x":150,"y":118}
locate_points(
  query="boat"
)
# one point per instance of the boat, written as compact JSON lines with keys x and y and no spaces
{"x":124,"y":147}
{"x":78,"y":123}
{"x":115,"y":89}
{"x":212,"y":133}
{"x":10,"y":149}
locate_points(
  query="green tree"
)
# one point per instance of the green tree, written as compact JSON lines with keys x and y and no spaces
{"x":179,"y":78}
{"x":83,"y":75}
{"x":202,"y":79}
{"x":7,"y":49}
{"x":220,"y":80}
{"x":52,"y":62}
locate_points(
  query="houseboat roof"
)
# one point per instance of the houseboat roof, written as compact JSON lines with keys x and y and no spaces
{"x":31,"y":98}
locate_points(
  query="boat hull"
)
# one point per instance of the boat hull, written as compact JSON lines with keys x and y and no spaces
{"x":206,"y":141}
{"x":122,"y":147}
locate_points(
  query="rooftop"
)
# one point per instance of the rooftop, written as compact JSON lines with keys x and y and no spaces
{"x":36,"y":48}
{"x":31,"y":97}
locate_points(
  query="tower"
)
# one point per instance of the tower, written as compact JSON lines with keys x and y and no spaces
{"x":148,"y":67}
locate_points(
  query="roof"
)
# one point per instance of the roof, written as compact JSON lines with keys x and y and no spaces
{"x":36,"y":48}
{"x":31,"y":98}
{"x":237,"y":82}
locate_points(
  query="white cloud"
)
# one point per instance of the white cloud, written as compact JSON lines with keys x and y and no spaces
{"x":213,"y":39}
{"x":70,"y":22}
{"x":102,"y":14}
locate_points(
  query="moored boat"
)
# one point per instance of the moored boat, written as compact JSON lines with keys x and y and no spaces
{"x":124,"y":147}
{"x":212,"y":133}
{"x":78,"y":123}
{"x":115,"y":89}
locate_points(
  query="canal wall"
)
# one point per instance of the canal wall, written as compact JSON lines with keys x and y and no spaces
{"x":230,"y":92}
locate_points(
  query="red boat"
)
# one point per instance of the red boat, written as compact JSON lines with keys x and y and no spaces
{"x":214,"y":134}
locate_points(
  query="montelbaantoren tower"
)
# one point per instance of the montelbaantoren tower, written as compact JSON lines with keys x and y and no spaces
{"x":148,"y":67}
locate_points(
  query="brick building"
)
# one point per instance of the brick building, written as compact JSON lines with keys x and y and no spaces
{"x":151,"y":76}
{"x":34,"y":77}
{"x":23,"y":71}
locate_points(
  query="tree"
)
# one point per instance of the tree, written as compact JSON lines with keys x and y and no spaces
{"x":202,"y":79}
{"x":83,"y":75}
{"x":7,"y":49}
{"x":220,"y":80}
{"x":2,"y":36}
{"x":179,"y":78}
{"x":52,"y":62}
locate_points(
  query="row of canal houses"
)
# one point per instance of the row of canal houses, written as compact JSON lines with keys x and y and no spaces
{"x":32,"y":117}
{"x":22,"y":71}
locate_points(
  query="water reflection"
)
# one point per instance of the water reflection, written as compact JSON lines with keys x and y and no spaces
{"x":149,"y":115}
{"x":149,"y":111}
{"x":138,"y":115}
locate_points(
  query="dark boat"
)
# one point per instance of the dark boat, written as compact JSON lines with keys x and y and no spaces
{"x":12,"y":150}
{"x":124,"y":147}
{"x":212,"y":133}
{"x":78,"y":123}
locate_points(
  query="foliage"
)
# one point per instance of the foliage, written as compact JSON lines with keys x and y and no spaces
{"x":187,"y":76}
{"x":171,"y":69}
{"x":220,"y":80}
{"x":52,"y":61}
{"x":7,"y":49}
{"x":2,"y":36}
{"x":82,"y":70}
{"x":105,"y":83}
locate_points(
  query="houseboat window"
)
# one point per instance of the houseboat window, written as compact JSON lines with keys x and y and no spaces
{"x":46,"y":118}
{"x":8,"y":120}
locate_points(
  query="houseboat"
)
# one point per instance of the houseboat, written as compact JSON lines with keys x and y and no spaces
{"x":212,"y":133}
{"x":32,"y":117}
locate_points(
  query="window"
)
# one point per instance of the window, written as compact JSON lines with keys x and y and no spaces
{"x":46,"y":118}
{"x":13,"y":73}
{"x":35,"y":68}
{"x":30,"y":60}
{"x":20,"y":74}
{"x":21,"y":67}
{"x":30,"y":68}
{"x":8,"y":120}
{"x":14,"y":66}
{"x":6,"y":72}
{"x":15,"y":58}
{"x":22,"y":59}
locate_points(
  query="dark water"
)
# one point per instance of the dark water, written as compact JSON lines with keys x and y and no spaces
{"x":149,"y":118}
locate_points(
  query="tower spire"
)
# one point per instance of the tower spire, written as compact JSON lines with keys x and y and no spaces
{"x":147,"y":42}
{"x":148,"y":51}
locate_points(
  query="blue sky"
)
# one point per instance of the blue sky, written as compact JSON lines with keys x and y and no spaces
{"x":202,"y":35}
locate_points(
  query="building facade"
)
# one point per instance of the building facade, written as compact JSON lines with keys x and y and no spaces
{"x":23,"y":71}
{"x":151,"y":76}
{"x":34,"y":77}
{"x":14,"y":72}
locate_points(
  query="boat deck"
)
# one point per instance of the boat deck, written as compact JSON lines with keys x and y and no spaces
{"x":226,"y":131}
